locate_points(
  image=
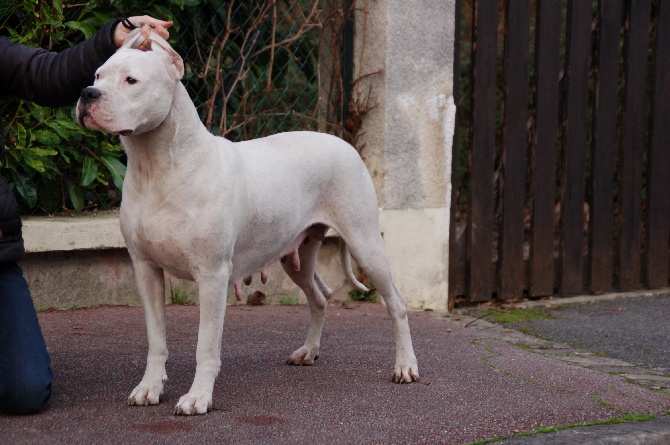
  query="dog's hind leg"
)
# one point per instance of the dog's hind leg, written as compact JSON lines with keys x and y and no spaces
{"x":317,"y":294}
{"x":151,"y":286}
{"x":369,"y":251}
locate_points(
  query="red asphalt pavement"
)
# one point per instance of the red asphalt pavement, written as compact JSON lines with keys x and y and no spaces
{"x":472,"y":386}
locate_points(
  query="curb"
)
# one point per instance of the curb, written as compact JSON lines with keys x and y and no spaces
{"x":628,"y":372}
{"x":650,"y":432}
{"x":552,"y":303}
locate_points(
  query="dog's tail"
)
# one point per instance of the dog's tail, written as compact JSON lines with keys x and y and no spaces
{"x":345,"y":258}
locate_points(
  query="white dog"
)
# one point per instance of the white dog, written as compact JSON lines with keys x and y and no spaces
{"x":209,"y":210}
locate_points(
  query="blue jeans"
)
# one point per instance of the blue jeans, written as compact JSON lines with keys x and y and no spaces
{"x":25,"y":365}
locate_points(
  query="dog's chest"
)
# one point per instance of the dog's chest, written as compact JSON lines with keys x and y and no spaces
{"x":162,"y":241}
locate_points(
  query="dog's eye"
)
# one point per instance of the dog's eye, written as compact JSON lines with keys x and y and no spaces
{"x":97,"y":76}
{"x":131,"y":80}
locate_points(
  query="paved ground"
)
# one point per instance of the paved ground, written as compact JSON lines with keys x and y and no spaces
{"x":477,"y":383}
{"x":633,"y":329}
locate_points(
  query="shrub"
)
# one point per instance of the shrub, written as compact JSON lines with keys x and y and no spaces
{"x":51,"y":162}
{"x":253,"y":68}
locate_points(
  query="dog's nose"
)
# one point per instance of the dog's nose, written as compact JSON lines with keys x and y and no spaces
{"x":90,"y":94}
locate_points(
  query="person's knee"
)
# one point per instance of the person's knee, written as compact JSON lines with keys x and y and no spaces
{"x":27,"y":396}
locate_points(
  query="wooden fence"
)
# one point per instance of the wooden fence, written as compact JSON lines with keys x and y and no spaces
{"x":562,"y":148}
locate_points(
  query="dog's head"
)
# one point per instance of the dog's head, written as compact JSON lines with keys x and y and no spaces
{"x":133,"y":90}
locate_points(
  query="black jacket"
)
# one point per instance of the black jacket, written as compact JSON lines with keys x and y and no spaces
{"x":48,"y":79}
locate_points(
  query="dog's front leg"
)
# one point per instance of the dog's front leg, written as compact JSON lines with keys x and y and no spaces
{"x":212,"y":291}
{"x":151,"y":286}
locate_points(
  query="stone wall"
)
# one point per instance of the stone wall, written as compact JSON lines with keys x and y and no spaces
{"x":74,"y":262}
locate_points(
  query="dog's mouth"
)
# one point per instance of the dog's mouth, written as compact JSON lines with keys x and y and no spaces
{"x":85,"y":116}
{"x":82,"y":115}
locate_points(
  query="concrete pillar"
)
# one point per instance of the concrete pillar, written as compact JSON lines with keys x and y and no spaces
{"x":408,"y":136}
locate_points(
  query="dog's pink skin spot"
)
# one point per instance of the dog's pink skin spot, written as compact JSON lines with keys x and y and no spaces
{"x":238,"y":290}
{"x":264,"y":275}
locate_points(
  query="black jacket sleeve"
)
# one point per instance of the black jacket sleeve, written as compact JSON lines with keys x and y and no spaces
{"x":11,"y":242}
{"x":53,"y":79}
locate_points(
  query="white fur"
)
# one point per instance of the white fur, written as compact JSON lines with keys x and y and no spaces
{"x":209,"y":210}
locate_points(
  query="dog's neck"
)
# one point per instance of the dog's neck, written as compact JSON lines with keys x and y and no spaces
{"x":180,"y":140}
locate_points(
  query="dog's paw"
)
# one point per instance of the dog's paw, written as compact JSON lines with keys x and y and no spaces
{"x":405,"y":373}
{"x":191,"y":404}
{"x":303,"y":356}
{"x":146,"y":394}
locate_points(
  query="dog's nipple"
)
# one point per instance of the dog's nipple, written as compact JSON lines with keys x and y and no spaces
{"x":238,"y":290}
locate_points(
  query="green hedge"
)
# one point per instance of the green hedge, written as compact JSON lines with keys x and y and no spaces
{"x":55,"y":165}
{"x":51,"y":162}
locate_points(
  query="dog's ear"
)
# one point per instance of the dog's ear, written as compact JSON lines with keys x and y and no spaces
{"x":133,"y":40}
{"x":174,"y":61}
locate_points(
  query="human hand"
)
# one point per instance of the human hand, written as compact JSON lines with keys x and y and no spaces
{"x":150,"y":24}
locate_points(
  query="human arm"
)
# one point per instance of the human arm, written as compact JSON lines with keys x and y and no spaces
{"x":55,"y":79}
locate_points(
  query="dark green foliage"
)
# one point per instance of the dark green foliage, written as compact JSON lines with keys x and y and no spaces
{"x":53,"y":163}
{"x":253,"y":68}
